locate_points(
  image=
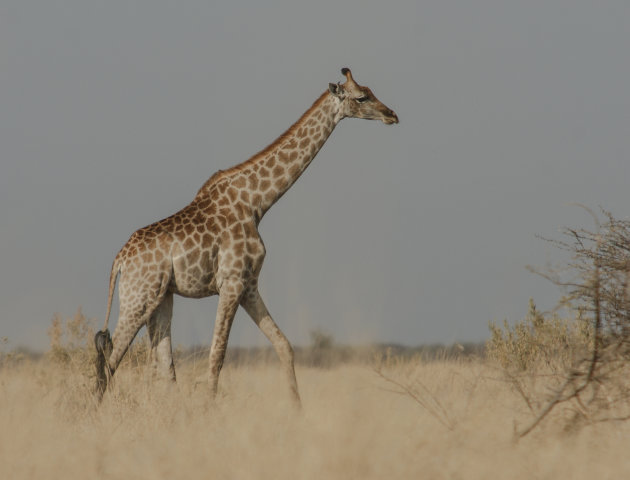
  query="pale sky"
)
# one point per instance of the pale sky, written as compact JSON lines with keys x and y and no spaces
{"x":113,"y":114}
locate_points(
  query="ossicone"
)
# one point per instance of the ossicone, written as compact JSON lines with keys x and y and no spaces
{"x":347,"y":73}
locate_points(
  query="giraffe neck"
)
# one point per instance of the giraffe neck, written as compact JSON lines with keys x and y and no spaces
{"x":266,"y":176}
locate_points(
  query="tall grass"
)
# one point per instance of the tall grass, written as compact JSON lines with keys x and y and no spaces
{"x":391,"y":417}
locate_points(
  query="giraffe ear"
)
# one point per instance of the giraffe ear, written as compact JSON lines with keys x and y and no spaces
{"x":336,"y":89}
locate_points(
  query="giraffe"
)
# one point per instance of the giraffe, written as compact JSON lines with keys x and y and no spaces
{"x":212,"y":246}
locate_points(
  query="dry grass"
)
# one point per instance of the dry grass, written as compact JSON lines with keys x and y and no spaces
{"x":357,"y":422}
{"x":540,"y":342}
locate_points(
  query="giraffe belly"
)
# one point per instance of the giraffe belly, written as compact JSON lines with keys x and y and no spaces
{"x":193,"y":287}
{"x":192,"y":279}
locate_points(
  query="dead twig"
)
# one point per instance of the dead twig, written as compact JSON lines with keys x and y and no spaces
{"x":426,"y":399}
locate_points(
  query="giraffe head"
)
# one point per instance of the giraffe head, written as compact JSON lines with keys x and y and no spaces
{"x":357,"y":101}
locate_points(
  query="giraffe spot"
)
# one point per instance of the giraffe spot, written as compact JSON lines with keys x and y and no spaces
{"x":233,"y":194}
{"x":284,"y":158}
{"x":239,"y":182}
{"x":293,"y":156}
{"x":231,"y":218}
{"x":239,"y":249}
{"x":241,"y":211}
{"x":189,"y":228}
{"x":265,"y":185}
{"x":226,"y":240}
{"x":215,"y":227}
{"x":245,"y":196}
{"x":250,"y":230}
{"x":253,"y":247}
{"x":270,"y":196}
{"x":304,"y":143}
{"x":189,"y":243}
{"x":193,"y":256}
{"x":147,"y":257}
{"x":271,"y":161}
{"x":237,"y":232}
{"x":264,"y":172}
{"x":198,"y":217}
{"x":294,"y":170}
{"x":203,"y":204}
{"x":310,"y":122}
{"x":278,"y":171}
{"x":164,"y":241}
{"x":301,"y":132}
{"x":223,"y":201}
{"x":253,"y":182}
{"x":159,"y":256}
{"x":282,"y":183}
{"x":151,"y":243}
{"x":238,"y":264}
{"x":291,"y":145}
{"x":256,"y":199}
{"x":206,"y":241}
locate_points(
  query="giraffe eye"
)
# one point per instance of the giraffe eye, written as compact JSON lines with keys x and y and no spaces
{"x":362,"y":99}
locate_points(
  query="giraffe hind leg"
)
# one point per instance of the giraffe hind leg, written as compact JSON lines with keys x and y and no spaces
{"x":132,"y":317}
{"x":159,"y":327}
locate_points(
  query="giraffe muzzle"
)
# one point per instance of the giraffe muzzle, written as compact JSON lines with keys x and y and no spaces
{"x":390,"y":117}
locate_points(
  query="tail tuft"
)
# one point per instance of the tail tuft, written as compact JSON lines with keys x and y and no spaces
{"x":104,"y":347}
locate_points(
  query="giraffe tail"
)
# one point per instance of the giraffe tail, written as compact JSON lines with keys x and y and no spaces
{"x":104,"y":346}
{"x":112,"y":283}
{"x":103,"y":340}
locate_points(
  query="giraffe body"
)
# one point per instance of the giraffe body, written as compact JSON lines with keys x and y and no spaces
{"x":212,"y":246}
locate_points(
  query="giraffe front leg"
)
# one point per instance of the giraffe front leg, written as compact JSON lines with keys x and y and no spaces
{"x":229,"y":297}
{"x":253,"y":303}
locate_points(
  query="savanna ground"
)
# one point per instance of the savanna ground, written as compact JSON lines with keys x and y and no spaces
{"x":450,"y":416}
